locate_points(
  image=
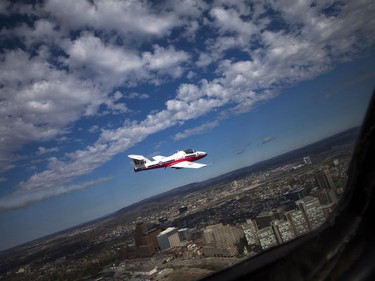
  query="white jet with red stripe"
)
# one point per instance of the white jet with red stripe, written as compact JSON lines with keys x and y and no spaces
{"x":181,"y":159}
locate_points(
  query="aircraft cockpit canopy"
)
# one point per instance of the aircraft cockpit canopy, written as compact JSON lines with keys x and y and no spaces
{"x":189,"y":151}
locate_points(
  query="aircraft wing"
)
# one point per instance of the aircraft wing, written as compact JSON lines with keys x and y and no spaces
{"x":158,"y":157}
{"x":187,"y":164}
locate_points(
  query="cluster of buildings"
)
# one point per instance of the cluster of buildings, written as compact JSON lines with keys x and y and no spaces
{"x":277,"y":226}
{"x":149,"y":240}
{"x":300,"y":213}
{"x":232,"y":220}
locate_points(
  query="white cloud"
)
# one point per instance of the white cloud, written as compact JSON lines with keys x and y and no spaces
{"x":135,"y":95}
{"x":90,"y":56}
{"x":42,"y":150}
{"x":112,"y":142}
{"x":131,"y":19}
{"x":93,"y":129}
{"x":189,"y":92}
{"x":38,"y":102}
{"x":109,"y":144}
{"x":166,"y":60}
{"x":24,"y":198}
{"x":114,"y":107}
{"x":42,"y":32}
{"x":229,"y":20}
{"x":204,"y":60}
{"x":191,"y":103}
{"x":41,"y":101}
{"x":197,"y":130}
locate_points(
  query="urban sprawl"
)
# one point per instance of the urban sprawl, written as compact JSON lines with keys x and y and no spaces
{"x":189,"y":236}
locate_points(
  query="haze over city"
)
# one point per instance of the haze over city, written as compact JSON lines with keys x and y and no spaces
{"x":84,"y":84}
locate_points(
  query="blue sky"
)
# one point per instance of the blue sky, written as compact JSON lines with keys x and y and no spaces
{"x":84,"y":84}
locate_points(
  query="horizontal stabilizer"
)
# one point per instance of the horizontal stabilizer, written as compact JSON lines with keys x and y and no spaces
{"x":188,"y":164}
{"x":136,"y":157}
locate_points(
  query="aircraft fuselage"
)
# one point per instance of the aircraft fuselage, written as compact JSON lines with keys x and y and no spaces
{"x":180,"y":159}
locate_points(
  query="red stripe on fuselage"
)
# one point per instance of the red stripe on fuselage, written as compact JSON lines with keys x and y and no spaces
{"x":189,"y":159}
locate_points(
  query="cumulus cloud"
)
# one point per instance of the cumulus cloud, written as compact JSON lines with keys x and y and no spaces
{"x":73,"y":66}
{"x":90,"y":57}
{"x":166,"y":60}
{"x":137,"y":21}
{"x":135,"y":95}
{"x":39,"y":102}
{"x":229,"y":21}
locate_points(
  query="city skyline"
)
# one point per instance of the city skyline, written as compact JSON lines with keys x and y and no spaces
{"x":244,"y":83}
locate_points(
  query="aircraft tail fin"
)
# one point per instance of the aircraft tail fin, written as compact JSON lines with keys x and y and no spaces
{"x":139,"y":162}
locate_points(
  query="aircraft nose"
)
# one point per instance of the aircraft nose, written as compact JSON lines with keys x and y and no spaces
{"x":202,"y":153}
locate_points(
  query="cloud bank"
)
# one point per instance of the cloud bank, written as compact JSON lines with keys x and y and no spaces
{"x":64,"y":66}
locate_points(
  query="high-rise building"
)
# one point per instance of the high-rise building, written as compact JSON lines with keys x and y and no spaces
{"x":324,"y":180}
{"x":307,"y":160}
{"x":140,"y":233}
{"x":267,"y":238}
{"x":283,"y":231}
{"x":146,"y":243}
{"x":220,"y":240}
{"x":143,"y":236}
{"x":326,"y":196}
{"x":234,"y":184}
{"x":298,"y":222}
{"x":184,"y":234}
{"x":312,"y":210}
{"x":250,"y":230}
{"x":168,"y":238}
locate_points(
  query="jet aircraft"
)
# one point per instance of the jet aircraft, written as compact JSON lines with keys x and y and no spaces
{"x":180,"y":159}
